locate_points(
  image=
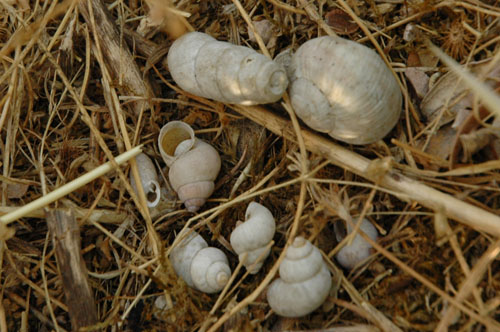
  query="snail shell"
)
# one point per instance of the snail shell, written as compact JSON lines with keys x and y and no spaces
{"x":194,"y":164}
{"x":343,"y":88}
{"x":149,"y":179}
{"x":253,"y":236}
{"x":200,"y":266}
{"x":225,"y":72}
{"x":304,"y":281}
{"x":359,"y":249}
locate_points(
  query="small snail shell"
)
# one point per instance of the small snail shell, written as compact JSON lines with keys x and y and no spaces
{"x":225,"y":72}
{"x":254,"y":235}
{"x":343,"y":88}
{"x":149,"y":179}
{"x":194,"y":164}
{"x":359,"y":249}
{"x":200,"y":266}
{"x":304,"y":281}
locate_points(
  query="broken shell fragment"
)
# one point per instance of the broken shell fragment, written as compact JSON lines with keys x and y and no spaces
{"x":149,"y":179}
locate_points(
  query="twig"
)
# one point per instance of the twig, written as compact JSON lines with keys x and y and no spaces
{"x":118,"y":57}
{"x":407,"y":189}
{"x":66,"y":241}
{"x":68,"y":187}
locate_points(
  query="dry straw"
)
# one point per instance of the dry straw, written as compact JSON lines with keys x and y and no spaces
{"x":69,"y":187}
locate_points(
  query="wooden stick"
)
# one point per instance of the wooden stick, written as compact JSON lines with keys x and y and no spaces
{"x":117,"y":55}
{"x":66,"y":240}
{"x":408,"y":189}
{"x":68,"y":187}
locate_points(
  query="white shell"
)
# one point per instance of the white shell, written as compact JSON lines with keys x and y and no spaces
{"x":182,"y":255}
{"x":304,"y":281}
{"x":254,"y":235}
{"x":210,"y":270}
{"x":343,"y":88}
{"x":200,"y":266}
{"x":149,"y":179}
{"x":359,"y":249}
{"x":225,"y":72}
{"x":194,"y":164}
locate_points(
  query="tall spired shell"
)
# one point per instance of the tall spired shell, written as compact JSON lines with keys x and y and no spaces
{"x":304,"y":281}
{"x":225,"y":72}
{"x":343,"y":88}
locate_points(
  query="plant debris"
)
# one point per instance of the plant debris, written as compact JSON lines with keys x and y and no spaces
{"x":78,"y":90}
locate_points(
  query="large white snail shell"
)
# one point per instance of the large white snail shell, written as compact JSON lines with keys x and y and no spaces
{"x":359,"y":249}
{"x":225,"y":72}
{"x":253,"y":236}
{"x":343,"y":88}
{"x":304,"y":281}
{"x":200,"y":266}
{"x":194,"y":164}
{"x":149,"y":179}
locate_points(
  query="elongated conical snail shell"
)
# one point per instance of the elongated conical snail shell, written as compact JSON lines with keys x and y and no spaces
{"x":194,"y":164}
{"x":343,"y":88}
{"x":225,"y":72}
{"x":304,"y":281}
{"x":200,"y":266}
{"x":149,"y":179}
{"x":253,"y":236}
{"x":359,"y":249}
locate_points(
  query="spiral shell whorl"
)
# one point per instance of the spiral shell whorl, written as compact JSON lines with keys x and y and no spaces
{"x":301,"y":253}
{"x":364,"y":99}
{"x":253,"y":236}
{"x":210,"y":270}
{"x":194,"y":195}
{"x":183,"y":254}
{"x":225,"y":72}
{"x":304,"y":281}
{"x":181,"y":60}
{"x":201,"y":163}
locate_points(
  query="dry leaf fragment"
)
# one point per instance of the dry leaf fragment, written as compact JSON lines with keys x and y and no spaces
{"x":439,"y":147}
{"x":413,"y":60}
{"x":427,"y":58}
{"x":418,"y":79}
{"x":264,"y":28}
{"x":451,"y":93}
{"x":16,"y":190}
{"x":340,"y":22}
